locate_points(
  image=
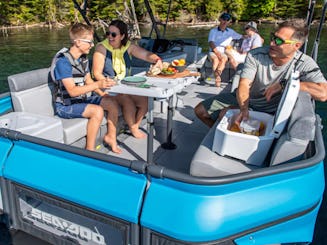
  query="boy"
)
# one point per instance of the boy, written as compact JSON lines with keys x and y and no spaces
{"x":74,"y":85}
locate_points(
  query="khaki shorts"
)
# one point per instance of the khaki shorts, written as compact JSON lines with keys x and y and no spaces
{"x":215,"y":104}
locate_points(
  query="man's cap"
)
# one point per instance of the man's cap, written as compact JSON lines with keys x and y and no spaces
{"x":252,"y":25}
{"x":225,"y":16}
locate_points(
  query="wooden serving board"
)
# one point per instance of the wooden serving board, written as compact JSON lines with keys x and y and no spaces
{"x":185,"y":73}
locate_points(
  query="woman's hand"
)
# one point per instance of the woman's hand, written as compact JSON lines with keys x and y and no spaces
{"x":159,"y":64}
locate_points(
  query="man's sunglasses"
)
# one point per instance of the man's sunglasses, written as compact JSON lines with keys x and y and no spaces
{"x":113,"y":34}
{"x":279,"y":41}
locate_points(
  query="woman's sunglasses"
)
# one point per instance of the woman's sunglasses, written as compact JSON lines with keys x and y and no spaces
{"x":113,"y":34}
{"x":279,"y":41}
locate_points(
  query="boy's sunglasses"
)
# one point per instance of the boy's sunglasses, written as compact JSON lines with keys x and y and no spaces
{"x":113,"y":34}
{"x":279,"y":41}
{"x":91,"y":42}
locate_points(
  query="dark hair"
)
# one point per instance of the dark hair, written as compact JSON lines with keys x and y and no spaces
{"x":80,"y":30}
{"x":123,"y":29}
{"x":299,"y":26}
{"x":225,"y":16}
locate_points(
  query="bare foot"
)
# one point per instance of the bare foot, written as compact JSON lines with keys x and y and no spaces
{"x":112,"y":144}
{"x":137,"y":133}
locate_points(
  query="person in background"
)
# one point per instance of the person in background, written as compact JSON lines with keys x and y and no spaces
{"x":112,"y":59}
{"x":251,"y":40}
{"x":264,"y":75}
{"x":220,"y":37}
{"x":73,"y":83}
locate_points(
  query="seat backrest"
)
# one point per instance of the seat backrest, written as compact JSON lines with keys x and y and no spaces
{"x":31,"y":92}
{"x":300,"y":131}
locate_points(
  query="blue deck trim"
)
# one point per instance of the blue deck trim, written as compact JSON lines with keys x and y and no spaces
{"x":105,"y":187}
{"x":5,"y":144}
{"x":206,"y":213}
{"x":5,"y":104}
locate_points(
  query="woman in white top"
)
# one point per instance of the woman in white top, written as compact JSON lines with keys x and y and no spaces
{"x":252,"y":40}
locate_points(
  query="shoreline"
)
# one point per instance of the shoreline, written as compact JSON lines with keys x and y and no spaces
{"x":3,"y":28}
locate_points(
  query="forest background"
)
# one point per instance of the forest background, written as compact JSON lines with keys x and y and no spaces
{"x":27,"y":12}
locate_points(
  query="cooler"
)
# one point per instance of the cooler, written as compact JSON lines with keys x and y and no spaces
{"x":251,"y":148}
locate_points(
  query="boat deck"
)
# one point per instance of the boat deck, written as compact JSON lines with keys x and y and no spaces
{"x":188,"y":131}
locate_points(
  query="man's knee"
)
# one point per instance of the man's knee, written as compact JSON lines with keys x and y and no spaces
{"x":200,"y":111}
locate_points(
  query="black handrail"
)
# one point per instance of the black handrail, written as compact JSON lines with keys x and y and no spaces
{"x":154,"y":23}
{"x":315,"y":47}
{"x":83,"y":13}
{"x":311,"y":8}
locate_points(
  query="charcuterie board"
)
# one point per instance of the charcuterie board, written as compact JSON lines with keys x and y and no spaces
{"x":185,"y":73}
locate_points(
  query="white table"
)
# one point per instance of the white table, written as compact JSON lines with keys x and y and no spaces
{"x":159,"y":88}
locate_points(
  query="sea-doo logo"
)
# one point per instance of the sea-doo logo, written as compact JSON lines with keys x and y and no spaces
{"x":68,"y":227}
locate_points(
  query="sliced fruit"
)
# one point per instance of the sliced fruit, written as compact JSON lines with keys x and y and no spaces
{"x":175,"y":62}
{"x":181,"y":62}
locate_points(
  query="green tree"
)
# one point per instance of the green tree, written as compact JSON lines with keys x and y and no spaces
{"x":212,"y":9}
{"x":291,"y":8}
{"x":34,"y":11}
{"x":4,"y":12}
{"x":258,"y":9}
{"x":235,"y":7}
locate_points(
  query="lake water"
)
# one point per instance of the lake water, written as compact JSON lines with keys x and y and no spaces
{"x":26,"y":49}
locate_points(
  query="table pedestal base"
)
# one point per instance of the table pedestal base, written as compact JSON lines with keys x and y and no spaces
{"x":169,"y":146}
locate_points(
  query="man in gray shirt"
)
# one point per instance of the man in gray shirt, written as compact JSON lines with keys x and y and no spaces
{"x":263,"y":76}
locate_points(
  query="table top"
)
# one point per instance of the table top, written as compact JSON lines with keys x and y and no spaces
{"x":154,"y":87}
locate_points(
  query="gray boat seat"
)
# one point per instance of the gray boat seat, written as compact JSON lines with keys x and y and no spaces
{"x":31,"y":92}
{"x":300,"y":131}
{"x":207,"y":163}
{"x":290,"y":146}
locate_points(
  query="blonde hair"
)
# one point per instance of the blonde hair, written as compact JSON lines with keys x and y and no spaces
{"x":80,"y":30}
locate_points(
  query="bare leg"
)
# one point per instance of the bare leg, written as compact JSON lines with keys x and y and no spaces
{"x":95,"y":114}
{"x":215,"y":62}
{"x":141,"y":103}
{"x":233,"y":63}
{"x":111,"y":106}
{"x":231,"y":60}
{"x":220,"y":68}
{"x":222,"y":62}
{"x":203,"y":115}
{"x":133,"y":115}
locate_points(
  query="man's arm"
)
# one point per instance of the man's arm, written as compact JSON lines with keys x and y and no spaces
{"x":243,"y":96}
{"x":318,"y":91}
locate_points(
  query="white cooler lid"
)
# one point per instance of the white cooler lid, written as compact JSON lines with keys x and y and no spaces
{"x":286,"y":104}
